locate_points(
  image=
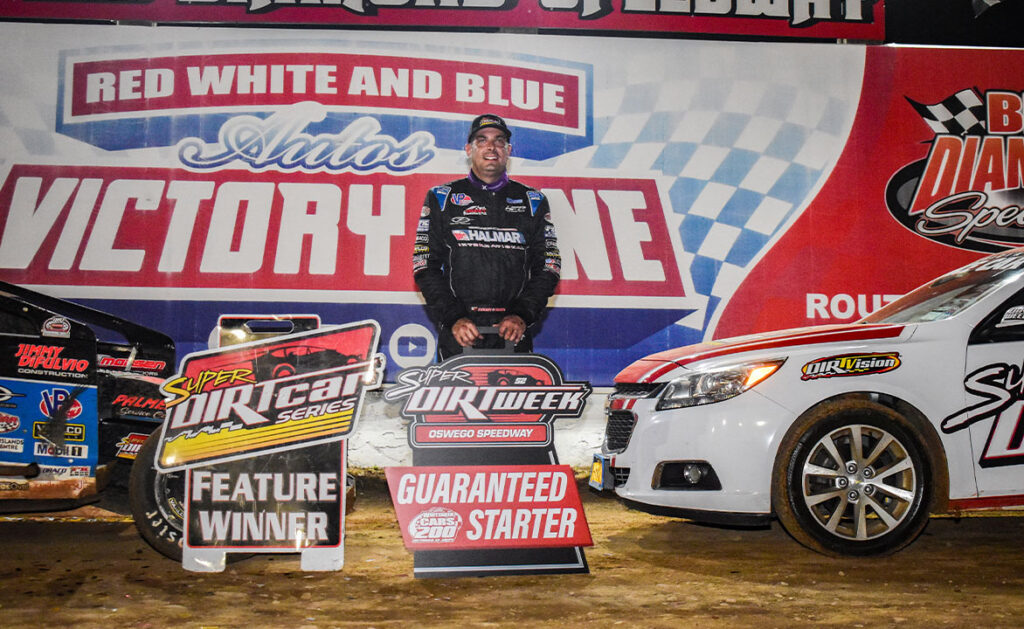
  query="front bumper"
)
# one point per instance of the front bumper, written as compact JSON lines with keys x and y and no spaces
{"x":736,"y":440}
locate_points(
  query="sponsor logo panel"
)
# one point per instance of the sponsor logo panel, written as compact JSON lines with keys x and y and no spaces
{"x":9,"y":444}
{"x":967,"y":191}
{"x":268,"y":396}
{"x":129,"y":445}
{"x":862,"y":20}
{"x":545,"y":96}
{"x":65,"y":451}
{"x":850,"y":365}
{"x":467,"y":507}
{"x":472,"y":400}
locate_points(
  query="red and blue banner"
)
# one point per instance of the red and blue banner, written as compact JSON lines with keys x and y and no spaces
{"x":699,"y":189}
{"x":862,"y":20}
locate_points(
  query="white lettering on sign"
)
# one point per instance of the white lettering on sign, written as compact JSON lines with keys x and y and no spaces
{"x":581,"y":235}
{"x":236,"y":238}
{"x":262,"y":79}
{"x":843,"y":306}
{"x":502,"y":91}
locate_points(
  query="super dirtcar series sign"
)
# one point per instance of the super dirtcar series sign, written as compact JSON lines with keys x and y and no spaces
{"x":268,"y":396}
{"x":162,"y":173}
{"x":258,"y":429}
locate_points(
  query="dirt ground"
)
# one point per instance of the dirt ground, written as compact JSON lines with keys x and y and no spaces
{"x":89,"y":569}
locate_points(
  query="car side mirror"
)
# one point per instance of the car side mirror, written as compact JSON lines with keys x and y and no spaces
{"x":1014,"y":315}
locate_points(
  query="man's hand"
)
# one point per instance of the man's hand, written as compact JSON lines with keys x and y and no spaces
{"x":512,"y":328}
{"x":465,"y":332}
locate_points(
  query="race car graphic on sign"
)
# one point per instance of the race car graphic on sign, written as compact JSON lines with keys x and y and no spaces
{"x":268,"y":396}
{"x":472,"y":401}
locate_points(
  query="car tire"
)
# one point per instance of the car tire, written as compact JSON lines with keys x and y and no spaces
{"x":157,"y":501}
{"x":839,"y":498}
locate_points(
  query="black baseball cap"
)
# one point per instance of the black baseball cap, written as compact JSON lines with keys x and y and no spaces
{"x":485,"y":121}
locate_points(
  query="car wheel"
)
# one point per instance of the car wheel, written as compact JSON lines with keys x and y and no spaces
{"x":157,"y":501}
{"x":852,"y":478}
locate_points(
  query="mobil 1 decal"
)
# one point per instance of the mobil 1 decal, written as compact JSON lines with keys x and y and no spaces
{"x":485,"y":495}
{"x":258,"y":429}
{"x":998,"y":393}
{"x":967,"y":192}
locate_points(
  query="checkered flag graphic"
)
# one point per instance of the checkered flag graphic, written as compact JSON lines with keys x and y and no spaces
{"x":962,"y":113}
{"x":980,"y":6}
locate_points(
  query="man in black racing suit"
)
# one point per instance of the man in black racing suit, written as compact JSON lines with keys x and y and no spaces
{"x":486,"y":253}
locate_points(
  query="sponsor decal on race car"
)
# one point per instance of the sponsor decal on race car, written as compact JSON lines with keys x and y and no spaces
{"x":129,"y":445}
{"x":72,"y":432}
{"x":44,"y":360}
{"x":850,"y":365}
{"x":139,"y":365}
{"x":9,"y":423}
{"x":138,"y":402}
{"x":64,"y":471}
{"x":6,"y":395}
{"x":57,"y":327}
{"x":65,"y":451}
{"x":466,"y":507}
{"x":8,"y":444}
{"x":56,"y":399}
{"x":1000,"y":388}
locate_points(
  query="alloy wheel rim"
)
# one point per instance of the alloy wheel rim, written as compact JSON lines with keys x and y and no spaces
{"x":859,"y":482}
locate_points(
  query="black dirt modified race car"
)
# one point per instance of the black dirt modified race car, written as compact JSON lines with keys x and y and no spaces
{"x":79,"y":398}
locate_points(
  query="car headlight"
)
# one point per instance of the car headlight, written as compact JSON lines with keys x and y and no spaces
{"x":714,"y":385}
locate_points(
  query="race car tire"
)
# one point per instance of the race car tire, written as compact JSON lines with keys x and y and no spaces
{"x":852,"y":478}
{"x":157,"y":501}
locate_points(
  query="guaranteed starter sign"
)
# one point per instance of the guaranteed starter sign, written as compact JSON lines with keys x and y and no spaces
{"x":463,"y":507}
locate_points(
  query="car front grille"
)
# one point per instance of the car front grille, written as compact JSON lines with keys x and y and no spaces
{"x":634,"y":390}
{"x":619,"y":430}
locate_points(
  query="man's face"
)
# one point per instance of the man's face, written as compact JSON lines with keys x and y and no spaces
{"x":488,"y":152}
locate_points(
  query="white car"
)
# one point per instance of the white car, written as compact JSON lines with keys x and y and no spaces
{"x":849,"y":434}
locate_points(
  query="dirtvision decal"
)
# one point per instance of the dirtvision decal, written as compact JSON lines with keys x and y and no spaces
{"x":850,"y":365}
{"x":472,"y":401}
{"x":268,"y":396}
{"x":968,"y":192}
{"x":1000,"y":389}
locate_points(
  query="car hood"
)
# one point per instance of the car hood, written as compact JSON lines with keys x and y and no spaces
{"x":650,"y":368}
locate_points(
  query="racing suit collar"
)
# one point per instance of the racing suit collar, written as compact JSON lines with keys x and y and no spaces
{"x":490,"y":187}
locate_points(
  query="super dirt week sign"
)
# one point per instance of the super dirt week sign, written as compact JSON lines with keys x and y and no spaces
{"x":502,"y":400}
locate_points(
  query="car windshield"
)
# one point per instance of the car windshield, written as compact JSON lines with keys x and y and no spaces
{"x":952,"y":293}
